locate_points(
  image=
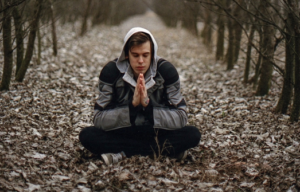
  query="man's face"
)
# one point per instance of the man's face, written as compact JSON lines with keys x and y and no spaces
{"x":140,"y":58}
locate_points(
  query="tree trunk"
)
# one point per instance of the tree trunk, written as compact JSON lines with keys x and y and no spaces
{"x":264,"y":83}
{"x":113,"y":13}
{"x":98,"y":16}
{"x":30,"y":46}
{"x":190,"y":17}
{"x":206,"y":33}
{"x":7,"y":48}
{"x":237,"y":32}
{"x":254,"y":27}
{"x":248,"y":57}
{"x":287,"y":89}
{"x":221,"y":33}
{"x":106,"y":14}
{"x":85,"y":17}
{"x":39,"y":44}
{"x":230,"y":47}
{"x":220,"y":38}
{"x":259,"y":60}
{"x":19,"y":37}
{"x":53,"y":30}
{"x":296,"y":101}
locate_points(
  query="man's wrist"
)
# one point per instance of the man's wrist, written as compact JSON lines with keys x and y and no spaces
{"x":146,"y":101}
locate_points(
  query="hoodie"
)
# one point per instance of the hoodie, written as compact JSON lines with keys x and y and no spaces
{"x":113,"y":108}
{"x":124,"y":66}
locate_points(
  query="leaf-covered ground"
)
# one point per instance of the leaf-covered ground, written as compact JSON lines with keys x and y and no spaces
{"x":244,"y":146}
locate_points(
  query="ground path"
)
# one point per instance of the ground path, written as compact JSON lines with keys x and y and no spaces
{"x":244,"y":146}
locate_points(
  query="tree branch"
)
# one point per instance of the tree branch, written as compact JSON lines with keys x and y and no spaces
{"x":16,"y":3}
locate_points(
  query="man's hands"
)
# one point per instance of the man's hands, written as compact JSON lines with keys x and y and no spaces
{"x":140,"y":93}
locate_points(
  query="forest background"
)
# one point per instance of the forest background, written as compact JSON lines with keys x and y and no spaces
{"x":240,"y":66}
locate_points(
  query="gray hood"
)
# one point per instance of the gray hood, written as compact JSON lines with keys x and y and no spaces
{"x":124,"y":66}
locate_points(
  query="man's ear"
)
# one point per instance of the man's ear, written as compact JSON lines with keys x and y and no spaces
{"x":126,"y":57}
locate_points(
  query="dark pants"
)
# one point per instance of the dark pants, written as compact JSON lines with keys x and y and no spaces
{"x":140,"y":140}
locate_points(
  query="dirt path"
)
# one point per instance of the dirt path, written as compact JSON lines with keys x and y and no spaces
{"x":244,"y":146}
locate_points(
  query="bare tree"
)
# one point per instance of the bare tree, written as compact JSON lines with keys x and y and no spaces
{"x":53,"y":30}
{"x":7,"y":46}
{"x":255,"y":27}
{"x":170,"y":11}
{"x":260,"y":56}
{"x":189,"y":18}
{"x":287,"y":89}
{"x":39,"y":38}
{"x":268,"y":21}
{"x":11,"y":4}
{"x":267,"y":49}
{"x":296,"y":101}
{"x":30,"y":46}
{"x":85,"y":17}
{"x":230,"y":48}
{"x":248,"y":55}
{"x":108,"y":12}
{"x":237,"y":27}
{"x":100,"y":15}
{"x":206,"y":33}
{"x":221,"y":32}
{"x":19,"y":37}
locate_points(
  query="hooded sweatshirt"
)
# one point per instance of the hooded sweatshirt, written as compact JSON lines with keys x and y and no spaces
{"x":124,"y":66}
{"x":113,"y":108}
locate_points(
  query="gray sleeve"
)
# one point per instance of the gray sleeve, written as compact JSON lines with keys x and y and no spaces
{"x":107,"y":116}
{"x":175,"y":117}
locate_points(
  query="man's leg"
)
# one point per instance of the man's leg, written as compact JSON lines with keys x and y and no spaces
{"x":140,"y":140}
{"x":174,"y":142}
{"x":130,"y":140}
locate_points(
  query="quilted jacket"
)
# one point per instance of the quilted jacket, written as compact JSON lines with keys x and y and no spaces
{"x":113,"y":108}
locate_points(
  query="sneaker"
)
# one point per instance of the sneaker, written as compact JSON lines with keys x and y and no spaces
{"x":181,"y":156}
{"x":112,"y":158}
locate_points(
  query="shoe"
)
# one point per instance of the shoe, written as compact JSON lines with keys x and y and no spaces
{"x":181,"y":156}
{"x":112,"y":158}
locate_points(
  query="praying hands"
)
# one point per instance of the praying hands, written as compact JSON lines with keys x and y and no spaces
{"x":140,"y":93}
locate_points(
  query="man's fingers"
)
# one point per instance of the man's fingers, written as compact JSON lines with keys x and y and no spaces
{"x":143,"y":91}
{"x":139,"y":88}
{"x":138,"y":79}
{"x":137,"y":96}
{"x":143,"y":79}
{"x":140,"y":91}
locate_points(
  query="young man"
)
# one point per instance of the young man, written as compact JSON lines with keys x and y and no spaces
{"x":140,"y":110}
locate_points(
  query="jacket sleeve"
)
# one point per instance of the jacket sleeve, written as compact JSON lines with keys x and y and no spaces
{"x":107,"y":114}
{"x":174,"y":115}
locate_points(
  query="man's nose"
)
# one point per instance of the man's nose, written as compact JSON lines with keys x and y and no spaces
{"x":141,"y":60}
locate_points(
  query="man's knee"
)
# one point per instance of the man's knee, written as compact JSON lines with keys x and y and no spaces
{"x":193,"y":134}
{"x":85,"y":133}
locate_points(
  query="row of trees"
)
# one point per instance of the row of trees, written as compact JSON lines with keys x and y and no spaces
{"x":99,"y":12}
{"x":266,"y":24}
{"x":21,"y":20}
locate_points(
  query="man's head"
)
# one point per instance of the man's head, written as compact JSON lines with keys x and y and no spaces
{"x":139,"y":50}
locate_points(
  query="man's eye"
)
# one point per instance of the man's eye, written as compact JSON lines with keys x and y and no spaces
{"x":146,"y":55}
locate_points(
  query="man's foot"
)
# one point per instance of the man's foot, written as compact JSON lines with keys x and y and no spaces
{"x":112,"y":158}
{"x":181,"y":156}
